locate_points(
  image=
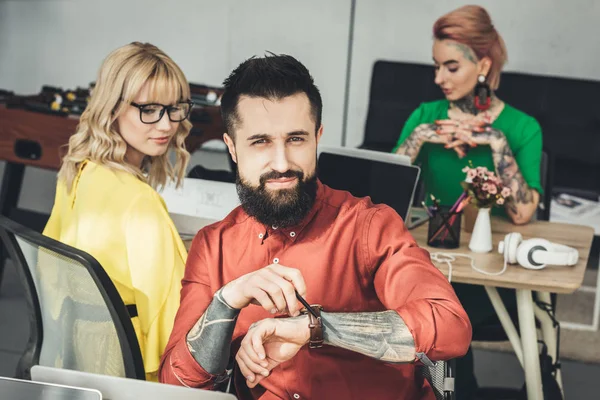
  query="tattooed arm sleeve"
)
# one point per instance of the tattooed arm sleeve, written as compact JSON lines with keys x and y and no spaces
{"x":209,"y":340}
{"x":380,"y":335}
{"x":413,"y":143}
{"x":423,"y":319}
{"x":524,"y":200}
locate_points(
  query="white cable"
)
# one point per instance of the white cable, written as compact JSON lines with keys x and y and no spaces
{"x":439,"y":257}
{"x":449,"y":258}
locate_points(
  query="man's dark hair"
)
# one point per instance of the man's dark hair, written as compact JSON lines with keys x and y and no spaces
{"x":272,"y":77}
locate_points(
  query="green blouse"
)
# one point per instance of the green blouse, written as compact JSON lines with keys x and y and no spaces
{"x":441,"y":168}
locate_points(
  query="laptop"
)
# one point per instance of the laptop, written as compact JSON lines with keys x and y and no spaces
{"x":18,"y":389}
{"x":113,"y":388}
{"x":386,"y":178}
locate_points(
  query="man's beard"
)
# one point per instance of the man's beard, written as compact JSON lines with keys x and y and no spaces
{"x":283,"y":207}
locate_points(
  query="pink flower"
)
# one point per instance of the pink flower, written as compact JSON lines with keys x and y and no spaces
{"x":471,"y":174}
{"x":500,"y":201}
{"x":482,"y":172}
{"x":485,"y":187}
{"x":492,"y":189}
{"x":466,"y":169}
{"x":506,"y":192}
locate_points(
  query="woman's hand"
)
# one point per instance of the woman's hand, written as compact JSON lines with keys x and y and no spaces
{"x":467,"y":134}
{"x":457,"y":135}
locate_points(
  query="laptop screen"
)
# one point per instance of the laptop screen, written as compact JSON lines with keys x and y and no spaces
{"x":115,"y":388}
{"x":385,"y":182}
{"x":16,"y":389}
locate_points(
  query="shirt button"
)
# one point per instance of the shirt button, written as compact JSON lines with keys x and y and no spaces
{"x":260,"y":235}
{"x":276,"y":260}
{"x":292,"y":234}
{"x":296,"y":396}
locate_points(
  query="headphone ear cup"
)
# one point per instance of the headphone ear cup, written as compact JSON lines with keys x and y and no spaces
{"x":525,"y":249}
{"x":511,"y":245}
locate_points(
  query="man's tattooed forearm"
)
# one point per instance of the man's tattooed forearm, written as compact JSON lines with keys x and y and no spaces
{"x":209,"y":340}
{"x":380,"y":335}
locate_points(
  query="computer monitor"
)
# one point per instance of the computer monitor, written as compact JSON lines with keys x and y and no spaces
{"x":113,"y":388}
{"x":386,"y":178}
{"x":18,"y":389}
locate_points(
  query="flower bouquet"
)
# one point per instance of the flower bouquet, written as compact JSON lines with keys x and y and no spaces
{"x":484,"y":187}
{"x":485,"y":190}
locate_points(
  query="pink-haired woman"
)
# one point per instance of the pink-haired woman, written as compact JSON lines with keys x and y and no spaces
{"x":473,"y":126}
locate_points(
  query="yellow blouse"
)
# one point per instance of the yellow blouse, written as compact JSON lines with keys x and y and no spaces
{"x":124,"y":224}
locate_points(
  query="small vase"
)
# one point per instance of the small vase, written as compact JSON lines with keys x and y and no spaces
{"x":481,"y":238}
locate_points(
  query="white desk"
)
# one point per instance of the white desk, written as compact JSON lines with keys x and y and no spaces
{"x":543,"y":282}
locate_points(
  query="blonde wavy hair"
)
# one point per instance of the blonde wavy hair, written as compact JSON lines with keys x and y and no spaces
{"x":122,"y":75}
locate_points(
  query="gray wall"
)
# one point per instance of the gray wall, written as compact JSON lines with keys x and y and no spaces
{"x":61,"y":43}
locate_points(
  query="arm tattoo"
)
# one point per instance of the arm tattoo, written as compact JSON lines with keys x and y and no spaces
{"x":209,"y":340}
{"x":510,"y":174}
{"x":380,"y":335}
{"x":412,"y":144}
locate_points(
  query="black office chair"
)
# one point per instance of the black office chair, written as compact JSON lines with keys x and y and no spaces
{"x":547,"y":180}
{"x":441,"y":378}
{"x":396,"y":91}
{"x":77,"y":318}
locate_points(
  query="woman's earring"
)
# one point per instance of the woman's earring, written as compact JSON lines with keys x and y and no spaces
{"x":483,"y":94}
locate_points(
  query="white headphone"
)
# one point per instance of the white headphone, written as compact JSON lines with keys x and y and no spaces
{"x":535,"y":253}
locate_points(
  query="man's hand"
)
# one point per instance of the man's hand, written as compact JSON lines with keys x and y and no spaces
{"x":268,"y":343}
{"x":272,"y":287}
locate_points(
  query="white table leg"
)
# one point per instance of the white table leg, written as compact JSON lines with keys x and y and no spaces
{"x":548,"y":331}
{"x":506,"y":321}
{"x":531,"y":358}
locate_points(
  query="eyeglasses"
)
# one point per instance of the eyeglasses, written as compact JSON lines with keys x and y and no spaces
{"x":153,"y":112}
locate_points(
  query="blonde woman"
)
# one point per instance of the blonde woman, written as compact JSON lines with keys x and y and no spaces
{"x":106,"y":203}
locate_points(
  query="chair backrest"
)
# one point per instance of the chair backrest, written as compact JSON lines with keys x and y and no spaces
{"x":78,"y":320}
{"x":441,"y":378}
{"x":397,"y":89}
{"x":546,"y":179}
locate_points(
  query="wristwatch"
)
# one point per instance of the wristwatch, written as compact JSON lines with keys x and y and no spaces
{"x":315,"y":325}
